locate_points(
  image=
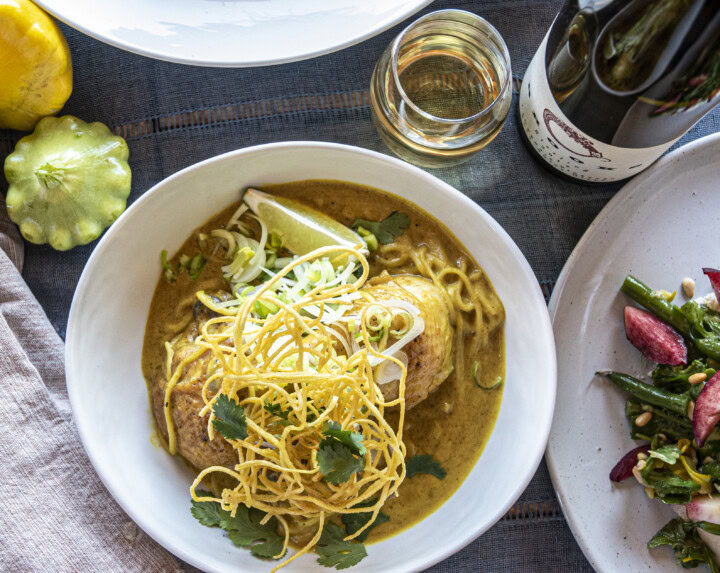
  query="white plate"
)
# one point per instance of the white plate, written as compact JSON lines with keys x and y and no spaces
{"x":232,"y":33}
{"x":107,"y":321}
{"x":661,"y":228}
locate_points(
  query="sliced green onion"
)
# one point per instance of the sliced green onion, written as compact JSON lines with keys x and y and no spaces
{"x":382,"y":317}
{"x":370,"y":238}
{"x":409,"y":321}
{"x":282,"y":262}
{"x":240,"y":260}
{"x":328,"y":270}
{"x":228,"y":237}
{"x":373,"y":338}
{"x":197,"y":264}
{"x":494,"y":385}
{"x":237,"y":288}
{"x":314,"y":273}
{"x":274,"y":241}
{"x":169,"y":273}
{"x":265,"y":308}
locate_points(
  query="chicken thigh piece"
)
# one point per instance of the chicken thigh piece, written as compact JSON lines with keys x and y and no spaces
{"x":193,"y":442}
{"x":430,"y":354}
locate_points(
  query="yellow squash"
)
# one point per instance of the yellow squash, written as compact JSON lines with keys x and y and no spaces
{"x":35,"y":65}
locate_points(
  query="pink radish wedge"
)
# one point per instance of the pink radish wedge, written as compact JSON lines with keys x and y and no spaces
{"x":714,"y":276}
{"x":707,"y":410}
{"x":623,"y":469}
{"x":704,"y":508}
{"x":657,"y":340}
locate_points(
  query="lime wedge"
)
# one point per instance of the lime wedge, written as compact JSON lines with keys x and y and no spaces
{"x":301,"y":229}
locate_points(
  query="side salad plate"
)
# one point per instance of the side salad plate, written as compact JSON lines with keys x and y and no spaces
{"x":659,"y":230}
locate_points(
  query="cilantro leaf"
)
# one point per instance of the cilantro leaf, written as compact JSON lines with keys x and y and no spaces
{"x":337,"y":462}
{"x":209,"y":513}
{"x":334,"y":551}
{"x":351,"y":439}
{"x":355,"y":521}
{"x":669,"y":487}
{"x":424,"y":464}
{"x":245,"y":530}
{"x":668,"y":454}
{"x":690,"y":550}
{"x":231,"y":423}
{"x":387,"y":230}
{"x":276,"y":410}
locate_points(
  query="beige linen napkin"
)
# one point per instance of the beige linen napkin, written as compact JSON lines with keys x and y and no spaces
{"x":55,"y":514}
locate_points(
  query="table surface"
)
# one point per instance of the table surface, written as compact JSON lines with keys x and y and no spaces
{"x":173,"y":116}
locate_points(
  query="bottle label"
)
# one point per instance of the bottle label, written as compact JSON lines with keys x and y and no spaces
{"x":566,"y":148}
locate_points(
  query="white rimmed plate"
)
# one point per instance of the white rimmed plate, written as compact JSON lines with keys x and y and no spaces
{"x":107,"y":322}
{"x":660,"y":228}
{"x":232,"y":33}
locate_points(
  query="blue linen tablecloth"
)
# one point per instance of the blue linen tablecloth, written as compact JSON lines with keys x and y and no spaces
{"x":173,"y":116}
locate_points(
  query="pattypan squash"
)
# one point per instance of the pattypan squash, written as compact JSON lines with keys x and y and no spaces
{"x":35,"y":65}
{"x":69,"y":180}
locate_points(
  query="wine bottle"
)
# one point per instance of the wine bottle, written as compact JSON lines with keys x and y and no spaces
{"x":616,"y":82}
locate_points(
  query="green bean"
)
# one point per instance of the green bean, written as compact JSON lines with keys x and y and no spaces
{"x":708,"y":344}
{"x":677,"y":403}
{"x":674,"y":426}
{"x":664,"y":310}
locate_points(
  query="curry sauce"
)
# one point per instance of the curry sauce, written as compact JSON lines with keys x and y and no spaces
{"x":454,"y":423}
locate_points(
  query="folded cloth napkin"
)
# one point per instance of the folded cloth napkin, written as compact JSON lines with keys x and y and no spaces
{"x":55,"y":514}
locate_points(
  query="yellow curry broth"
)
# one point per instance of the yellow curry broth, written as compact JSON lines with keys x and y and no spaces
{"x":453,"y":424}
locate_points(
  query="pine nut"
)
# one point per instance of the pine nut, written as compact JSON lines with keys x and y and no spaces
{"x":643,"y":419}
{"x":697,"y":378}
{"x":688,"y":286}
{"x":691,"y":409}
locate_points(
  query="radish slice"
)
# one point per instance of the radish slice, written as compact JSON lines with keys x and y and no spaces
{"x":655,"y":339}
{"x":714,"y":276}
{"x":704,"y":508}
{"x":623,"y":469}
{"x":707,"y":410}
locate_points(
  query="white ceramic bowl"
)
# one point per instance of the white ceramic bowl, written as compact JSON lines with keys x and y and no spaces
{"x":107,"y":322}
{"x":232,"y":33}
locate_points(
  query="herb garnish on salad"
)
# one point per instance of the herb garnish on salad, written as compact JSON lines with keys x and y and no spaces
{"x":676,"y":415}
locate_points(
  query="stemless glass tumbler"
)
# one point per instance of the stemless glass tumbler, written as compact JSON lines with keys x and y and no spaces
{"x":442,"y":89}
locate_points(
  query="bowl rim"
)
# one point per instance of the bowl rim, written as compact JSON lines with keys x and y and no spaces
{"x":412,"y":7}
{"x":545,"y":417}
